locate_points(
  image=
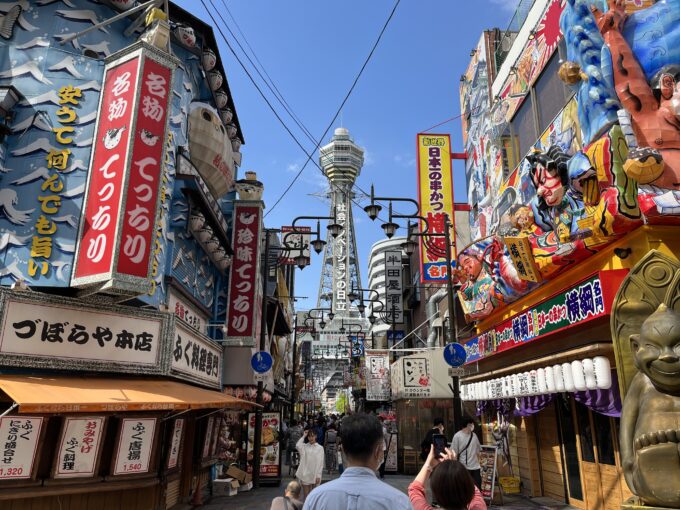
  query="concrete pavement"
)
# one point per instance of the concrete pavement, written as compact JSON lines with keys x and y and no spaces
{"x":260,"y":499}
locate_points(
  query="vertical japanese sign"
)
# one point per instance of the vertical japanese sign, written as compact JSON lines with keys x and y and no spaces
{"x":135,"y":444}
{"x":341,"y":255}
{"x":295,"y":239}
{"x":19,"y":439}
{"x":435,"y":197}
{"x":175,"y":443}
{"x":242,"y":323}
{"x":207,"y":439}
{"x":357,"y":345}
{"x":122,"y":197}
{"x":394,"y":298}
{"x":377,"y":375}
{"x":79,"y":447}
{"x":270,"y":450}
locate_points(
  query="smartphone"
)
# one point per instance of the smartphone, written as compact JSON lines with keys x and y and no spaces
{"x":439,"y":442}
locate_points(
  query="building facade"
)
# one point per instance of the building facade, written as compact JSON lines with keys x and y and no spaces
{"x":569,"y":188}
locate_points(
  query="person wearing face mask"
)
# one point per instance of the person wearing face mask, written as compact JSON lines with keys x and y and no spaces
{"x":467,"y":449}
{"x":358,"y":488}
{"x":437,"y":428}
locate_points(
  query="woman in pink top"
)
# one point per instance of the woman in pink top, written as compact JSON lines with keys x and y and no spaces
{"x":451,"y":484}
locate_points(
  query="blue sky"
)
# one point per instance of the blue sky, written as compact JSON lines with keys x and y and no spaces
{"x":313,"y":51}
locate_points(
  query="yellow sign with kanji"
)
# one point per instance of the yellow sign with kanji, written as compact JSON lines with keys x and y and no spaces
{"x":522,"y":257}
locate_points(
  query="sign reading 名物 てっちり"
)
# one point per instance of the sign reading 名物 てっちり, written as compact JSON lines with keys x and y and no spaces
{"x":586,"y":301}
{"x":135,"y":444}
{"x":187,"y":313}
{"x":195,"y":356}
{"x":243,"y":307}
{"x":38,"y":331}
{"x":377,"y":375}
{"x":19,"y":439}
{"x":116,"y":234}
{"x":175,"y":443}
{"x":435,"y":198}
{"x":79,"y":447}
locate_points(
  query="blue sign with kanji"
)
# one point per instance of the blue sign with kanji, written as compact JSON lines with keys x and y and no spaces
{"x":455,"y":354}
{"x":261,"y":362}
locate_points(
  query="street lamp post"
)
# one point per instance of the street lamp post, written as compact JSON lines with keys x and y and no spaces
{"x":390,"y":227}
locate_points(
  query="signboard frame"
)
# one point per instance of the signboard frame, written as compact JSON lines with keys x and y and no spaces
{"x":290,"y":239}
{"x":38,"y":445}
{"x":180,"y":447}
{"x":151,"y":465}
{"x":488,"y":473}
{"x":264,"y":474}
{"x":97,"y":456}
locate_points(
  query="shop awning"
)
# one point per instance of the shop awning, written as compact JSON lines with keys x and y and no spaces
{"x":89,"y":394}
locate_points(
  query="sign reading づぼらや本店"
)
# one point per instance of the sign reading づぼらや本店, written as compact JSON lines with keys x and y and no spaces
{"x":195,"y":356}
{"x":435,"y":198}
{"x":135,"y":444}
{"x":79,"y":447}
{"x":591,"y":299}
{"x":117,"y":227}
{"x":243,"y":307}
{"x":19,"y":437}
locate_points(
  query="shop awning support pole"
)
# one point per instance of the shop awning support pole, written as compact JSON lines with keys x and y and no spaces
{"x":292,"y":377}
{"x":257,"y":440}
{"x":11,"y":408}
{"x":457,"y":402}
{"x":171,"y":416}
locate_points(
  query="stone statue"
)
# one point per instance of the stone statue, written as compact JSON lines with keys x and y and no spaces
{"x":650,"y":420}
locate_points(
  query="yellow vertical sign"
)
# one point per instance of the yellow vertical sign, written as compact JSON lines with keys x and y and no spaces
{"x":435,"y":197}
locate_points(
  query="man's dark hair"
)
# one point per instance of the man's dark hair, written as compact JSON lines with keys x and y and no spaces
{"x":467,"y":419}
{"x":438,"y":421}
{"x":359,"y":434}
{"x":311,"y":430}
{"x":293,"y":422}
{"x":452,"y":486}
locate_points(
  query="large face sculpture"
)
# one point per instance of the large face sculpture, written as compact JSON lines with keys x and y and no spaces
{"x":548,"y":184}
{"x":471,"y":266}
{"x":656,"y":350}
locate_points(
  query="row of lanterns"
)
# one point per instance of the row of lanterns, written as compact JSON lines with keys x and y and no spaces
{"x":579,"y":375}
{"x":246,"y":393}
{"x":206,"y":237}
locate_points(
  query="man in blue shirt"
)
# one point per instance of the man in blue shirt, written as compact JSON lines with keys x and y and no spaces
{"x":358,"y":488}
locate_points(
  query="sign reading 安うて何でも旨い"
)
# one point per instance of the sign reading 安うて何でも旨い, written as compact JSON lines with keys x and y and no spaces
{"x":43,"y":331}
{"x":588,"y":300}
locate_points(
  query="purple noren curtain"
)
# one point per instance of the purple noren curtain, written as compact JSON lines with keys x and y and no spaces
{"x":526,"y":406}
{"x":607,"y":402}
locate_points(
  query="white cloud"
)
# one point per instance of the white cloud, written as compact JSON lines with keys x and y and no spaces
{"x":506,"y":5}
{"x":405,"y":160}
{"x":293,"y":167}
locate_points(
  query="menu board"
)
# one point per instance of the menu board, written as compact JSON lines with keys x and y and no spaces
{"x":19,"y":438}
{"x":79,"y":447}
{"x":270,"y":448}
{"x":487,"y":463}
{"x":135,"y":443}
{"x":175,"y":443}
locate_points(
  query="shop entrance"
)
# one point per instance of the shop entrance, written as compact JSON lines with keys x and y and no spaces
{"x":591,"y":456}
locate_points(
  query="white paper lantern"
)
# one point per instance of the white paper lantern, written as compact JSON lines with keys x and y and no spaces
{"x":559,"y":379}
{"x":215,"y":79}
{"x":589,"y":374}
{"x":550,"y":379}
{"x":578,"y":376}
{"x":524,"y":384}
{"x":567,"y":377}
{"x":507,"y":387}
{"x":533,"y":382}
{"x":603,"y":373}
{"x":542,"y":387}
{"x":515,"y":385}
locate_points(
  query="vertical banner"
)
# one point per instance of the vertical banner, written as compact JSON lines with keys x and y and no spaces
{"x":377,"y":375}
{"x":242,"y":305}
{"x":435,"y":197}
{"x":357,"y":345}
{"x":341,"y":275}
{"x":394,"y":296}
{"x":295,"y":239}
{"x":122,"y":195}
{"x":270,"y":449}
{"x":19,"y":438}
{"x":79,"y":447}
{"x":135,"y":444}
{"x":175,"y":443}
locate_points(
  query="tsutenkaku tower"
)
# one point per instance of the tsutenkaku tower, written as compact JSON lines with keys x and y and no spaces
{"x":341,"y":161}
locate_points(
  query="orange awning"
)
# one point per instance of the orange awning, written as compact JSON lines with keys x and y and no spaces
{"x":44,"y":394}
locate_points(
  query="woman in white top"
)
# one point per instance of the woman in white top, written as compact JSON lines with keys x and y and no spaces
{"x":311,"y":461}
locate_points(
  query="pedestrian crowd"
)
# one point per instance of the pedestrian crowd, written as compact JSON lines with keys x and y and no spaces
{"x":356,"y":446}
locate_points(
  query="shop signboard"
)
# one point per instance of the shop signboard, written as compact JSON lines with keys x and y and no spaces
{"x":79,"y":447}
{"x":207,"y":439}
{"x":175,"y":443}
{"x":19,"y":438}
{"x":295,"y":239}
{"x":357,"y":345}
{"x":392,"y":453}
{"x":377,"y":375}
{"x":270,"y":446}
{"x":115,"y":239}
{"x":487,"y":463}
{"x":435,"y":198}
{"x":242,"y":303}
{"x":591,"y":299}
{"x":341,"y":266}
{"x":394,"y":299}
{"x":195,"y":356}
{"x":187,"y":313}
{"x":135,"y":444}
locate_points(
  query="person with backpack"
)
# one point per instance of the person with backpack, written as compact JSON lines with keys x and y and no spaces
{"x":467,"y":448}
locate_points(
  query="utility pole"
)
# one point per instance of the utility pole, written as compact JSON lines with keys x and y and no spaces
{"x":292,"y":391}
{"x":457,"y":402}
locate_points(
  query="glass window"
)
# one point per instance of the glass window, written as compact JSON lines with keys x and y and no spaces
{"x":524,"y":127}
{"x":605,"y":443}
{"x":550,"y":94}
{"x":585,"y":433}
{"x":568,"y":433}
